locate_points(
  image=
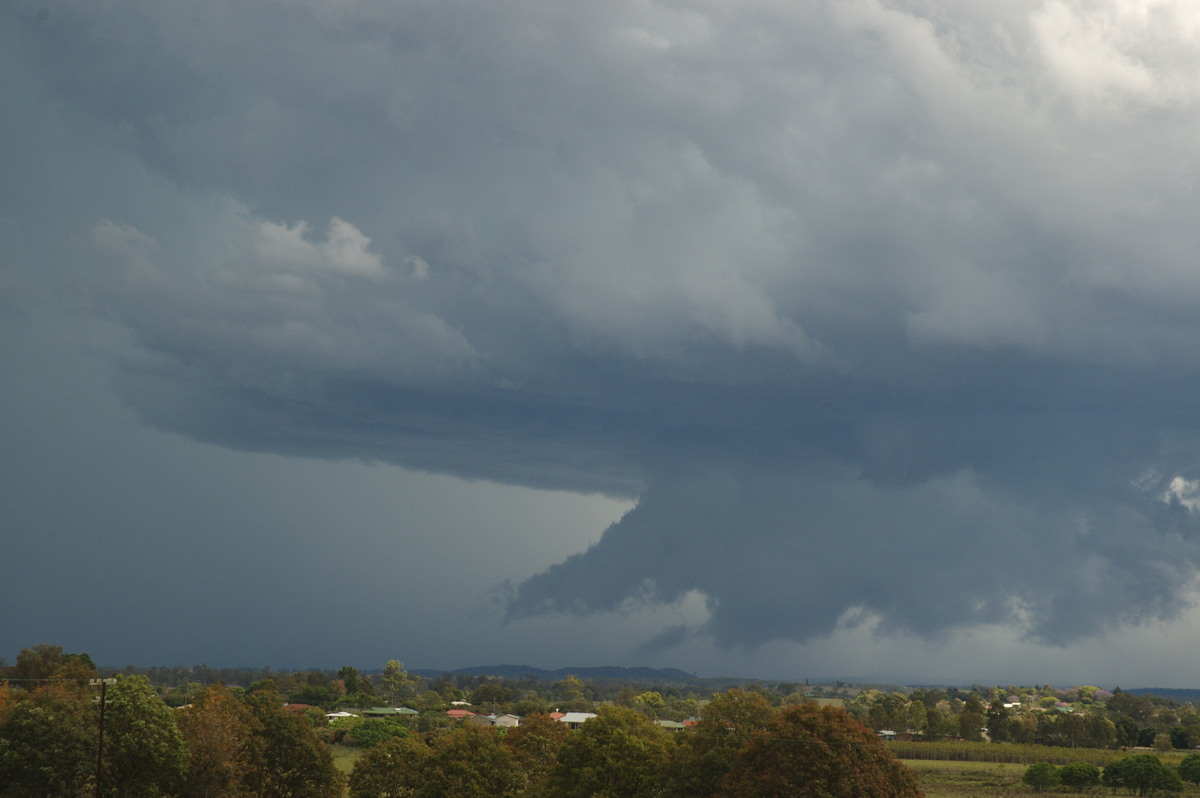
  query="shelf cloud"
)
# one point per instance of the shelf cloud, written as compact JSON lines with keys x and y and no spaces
{"x":883,"y":313}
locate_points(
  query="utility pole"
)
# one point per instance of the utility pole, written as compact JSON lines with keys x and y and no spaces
{"x":100,"y":744}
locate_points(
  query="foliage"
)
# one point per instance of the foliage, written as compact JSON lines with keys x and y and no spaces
{"x":373,"y":731}
{"x":219,"y":731}
{"x":1142,"y":774}
{"x":1189,"y":768}
{"x":38,"y":664}
{"x":614,"y":755}
{"x":144,"y":754}
{"x":1079,"y":775}
{"x":470,"y":762}
{"x":392,"y":769}
{"x":289,"y":760}
{"x":819,"y":752}
{"x":1000,"y":752}
{"x":536,"y":743}
{"x":706,"y":753}
{"x":48,"y":744}
{"x":394,"y":681}
{"x":1041,"y":775}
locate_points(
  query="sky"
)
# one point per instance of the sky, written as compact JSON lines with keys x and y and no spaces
{"x":813,"y":339}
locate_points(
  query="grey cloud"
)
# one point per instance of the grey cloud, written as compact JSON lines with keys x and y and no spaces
{"x":881,"y":311}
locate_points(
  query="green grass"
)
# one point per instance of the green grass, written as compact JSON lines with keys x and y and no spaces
{"x":344,"y":757}
{"x":962,"y":779}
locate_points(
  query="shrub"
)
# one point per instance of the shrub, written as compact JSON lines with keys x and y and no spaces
{"x":1079,"y":774}
{"x":1041,"y":775}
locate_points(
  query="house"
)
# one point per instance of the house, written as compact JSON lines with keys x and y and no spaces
{"x":576,"y":719}
{"x":460,"y":714}
{"x":389,"y":712}
{"x":670,"y":725}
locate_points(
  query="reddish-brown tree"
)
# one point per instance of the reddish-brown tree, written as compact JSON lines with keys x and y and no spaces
{"x":817,"y":752}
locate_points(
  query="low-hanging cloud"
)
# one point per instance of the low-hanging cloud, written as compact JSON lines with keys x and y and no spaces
{"x":882,"y":312}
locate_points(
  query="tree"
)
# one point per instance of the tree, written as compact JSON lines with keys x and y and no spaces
{"x":288,"y":759}
{"x":7,"y":699}
{"x":651,"y":701}
{"x":39,"y":663}
{"x":394,"y":681}
{"x":144,"y":754}
{"x":48,"y":744}
{"x":614,"y":755}
{"x":1189,"y":768}
{"x":536,"y":743}
{"x":1041,"y":776}
{"x":970,"y":725}
{"x":998,"y":722}
{"x":706,"y":754}
{"x":1142,"y":774}
{"x":1079,"y":775}
{"x":392,"y":769}
{"x":219,"y":731}
{"x":470,"y":762}
{"x":373,"y":731}
{"x":817,"y":752}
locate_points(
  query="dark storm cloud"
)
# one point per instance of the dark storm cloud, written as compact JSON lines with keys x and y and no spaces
{"x":884,"y":313}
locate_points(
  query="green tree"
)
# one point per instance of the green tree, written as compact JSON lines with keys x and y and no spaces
{"x":219,"y":731}
{"x":651,"y":702}
{"x":373,"y":731}
{"x":706,"y":753}
{"x":144,"y":754}
{"x":614,"y":755}
{"x":394,"y":681}
{"x":470,"y":762}
{"x":392,"y":769}
{"x":42,"y":662}
{"x":1189,"y":768}
{"x":997,"y":722}
{"x":289,"y":761}
{"x":48,"y":744}
{"x":536,"y":743}
{"x":1142,"y":774}
{"x":1079,"y":775}
{"x":1041,"y":776}
{"x":817,"y":752}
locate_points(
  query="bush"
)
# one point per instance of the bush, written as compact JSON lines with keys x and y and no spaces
{"x":1041,"y":775}
{"x":1189,"y":768}
{"x":373,"y":731}
{"x":1079,"y":774}
{"x":1142,"y":774}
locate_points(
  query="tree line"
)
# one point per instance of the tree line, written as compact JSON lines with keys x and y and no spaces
{"x":66,"y":732}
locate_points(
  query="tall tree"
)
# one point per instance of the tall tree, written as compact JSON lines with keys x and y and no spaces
{"x":706,"y":754}
{"x":617,"y":754}
{"x":144,"y":753}
{"x":48,"y":744}
{"x":219,"y":731}
{"x":288,"y":760}
{"x":470,"y":762}
{"x":394,"y":681}
{"x":817,"y":752}
{"x":390,"y":770}
{"x":536,"y":743}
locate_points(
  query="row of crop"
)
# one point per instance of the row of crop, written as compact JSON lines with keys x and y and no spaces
{"x":1012,"y":753}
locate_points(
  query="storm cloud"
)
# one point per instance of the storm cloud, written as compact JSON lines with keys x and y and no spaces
{"x":884,"y":313}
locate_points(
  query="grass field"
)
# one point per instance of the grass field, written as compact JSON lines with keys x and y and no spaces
{"x":344,"y":757}
{"x":943,"y":779}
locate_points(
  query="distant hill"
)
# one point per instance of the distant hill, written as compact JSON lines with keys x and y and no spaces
{"x":592,"y":674}
{"x":1183,"y":696}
